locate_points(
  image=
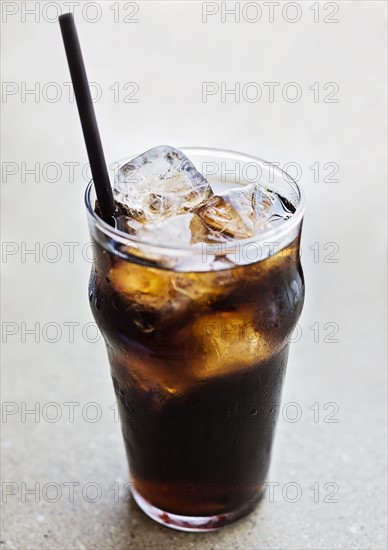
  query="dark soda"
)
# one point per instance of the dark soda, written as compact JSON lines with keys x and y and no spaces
{"x":197,"y":361}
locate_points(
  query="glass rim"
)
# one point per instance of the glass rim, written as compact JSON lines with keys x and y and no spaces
{"x":261,"y":239}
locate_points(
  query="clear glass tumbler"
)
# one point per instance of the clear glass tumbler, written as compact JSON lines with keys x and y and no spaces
{"x":198,"y":340}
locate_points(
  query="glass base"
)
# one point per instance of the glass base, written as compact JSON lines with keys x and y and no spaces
{"x":190,"y":523}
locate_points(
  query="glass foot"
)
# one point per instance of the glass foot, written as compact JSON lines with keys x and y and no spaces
{"x":190,"y":523}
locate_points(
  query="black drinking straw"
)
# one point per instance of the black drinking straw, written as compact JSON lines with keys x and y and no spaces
{"x":88,"y":118}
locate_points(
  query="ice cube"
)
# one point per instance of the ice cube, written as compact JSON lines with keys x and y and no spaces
{"x":182,"y":230}
{"x":223,"y":343}
{"x":205,"y":288}
{"x":160,"y":183}
{"x":211,"y":346}
{"x":148,"y":287}
{"x":242,"y":212}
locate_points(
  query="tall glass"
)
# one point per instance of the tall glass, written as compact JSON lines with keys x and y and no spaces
{"x":198,"y":341}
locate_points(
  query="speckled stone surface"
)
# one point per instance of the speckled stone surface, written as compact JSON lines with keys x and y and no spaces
{"x":346,"y":460}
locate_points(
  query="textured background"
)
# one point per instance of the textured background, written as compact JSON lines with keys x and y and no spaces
{"x":169,"y":53}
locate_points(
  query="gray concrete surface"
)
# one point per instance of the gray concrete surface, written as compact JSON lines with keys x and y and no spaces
{"x":170,"y":53}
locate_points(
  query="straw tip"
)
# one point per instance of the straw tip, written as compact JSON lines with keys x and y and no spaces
{"x":65,"y":17}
